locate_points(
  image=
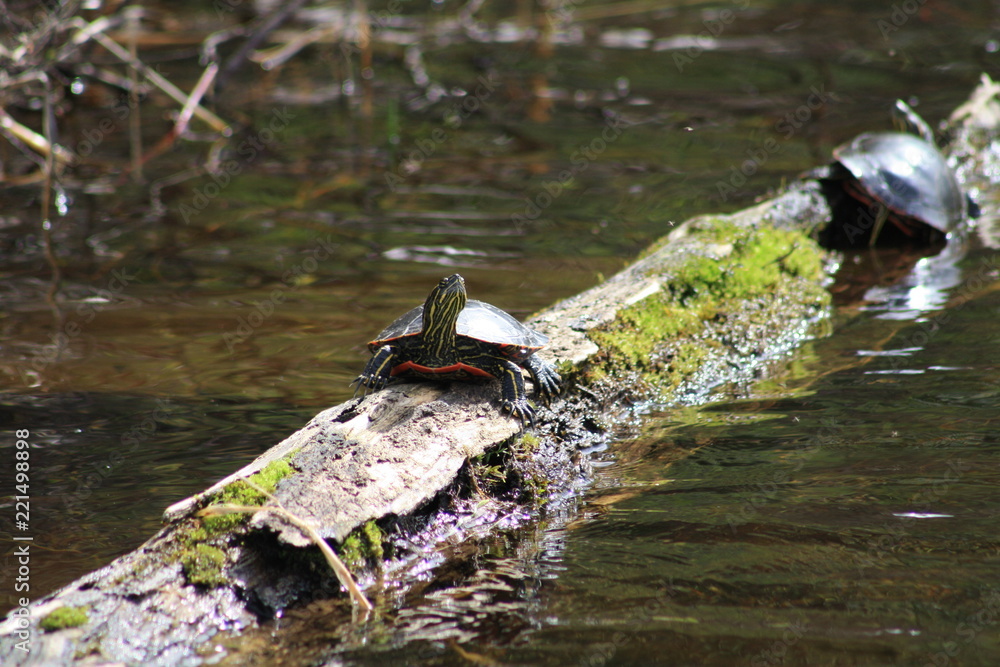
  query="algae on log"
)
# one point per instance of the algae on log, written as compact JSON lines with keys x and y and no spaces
{"x":712,"y":302}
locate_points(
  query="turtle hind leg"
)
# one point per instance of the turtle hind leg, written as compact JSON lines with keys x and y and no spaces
{"x":546,"y":379}
{"x":377,"y":371}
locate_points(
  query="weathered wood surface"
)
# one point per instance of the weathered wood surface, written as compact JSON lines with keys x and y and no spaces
{"x":391,"y":454}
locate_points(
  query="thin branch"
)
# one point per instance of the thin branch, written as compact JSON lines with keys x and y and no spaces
{"x":267,"y":25}
{"x":36,"y":141}
{"x":184,"y":118}
{"x":198,"y":92}
{"x":85,"y":33}
{"x":279,"y":55}
{"x":111,"y":78}
{"x":156,"y":79}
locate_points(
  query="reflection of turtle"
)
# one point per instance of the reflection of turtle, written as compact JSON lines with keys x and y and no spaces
{"x":896,"y":177}
{"x":452,"y":337}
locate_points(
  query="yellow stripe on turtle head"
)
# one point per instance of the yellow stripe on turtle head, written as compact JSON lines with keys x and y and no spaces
{"x":440,"y":315}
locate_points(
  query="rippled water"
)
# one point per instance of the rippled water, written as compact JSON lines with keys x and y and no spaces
{"x":842,"y":511}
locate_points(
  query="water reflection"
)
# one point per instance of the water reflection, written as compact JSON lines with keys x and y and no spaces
{"x":924,"y":288}
{"x":466,"y":601}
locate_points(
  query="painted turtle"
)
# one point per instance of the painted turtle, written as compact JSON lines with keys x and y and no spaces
{"x":452,"y":337}
{"x":902,"y":178}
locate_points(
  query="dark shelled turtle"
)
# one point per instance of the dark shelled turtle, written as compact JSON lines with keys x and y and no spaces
{"x":903,"y":179}
{"x":452,"y":337}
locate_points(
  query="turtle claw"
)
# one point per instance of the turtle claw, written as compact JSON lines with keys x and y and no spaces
{"x":548,"y":386}
{"x":375,"y":375}
{"x":366,"y":384}
{"x":360,"y":384}
{"x":547,"y":380}
{"x":521,"y":411}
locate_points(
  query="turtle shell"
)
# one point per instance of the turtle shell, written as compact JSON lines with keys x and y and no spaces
{"x":478,"y":320}
{"x":906,"y":174}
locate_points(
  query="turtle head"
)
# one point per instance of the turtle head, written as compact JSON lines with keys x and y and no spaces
{"x":441,"y":310}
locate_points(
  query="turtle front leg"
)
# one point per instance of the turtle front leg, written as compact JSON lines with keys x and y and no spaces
{"x":377,"y":371}
{"x":545,"y":377}
{"x":515,"y":399}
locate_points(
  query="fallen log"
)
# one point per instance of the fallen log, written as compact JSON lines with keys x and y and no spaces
{"x":384,"y":477}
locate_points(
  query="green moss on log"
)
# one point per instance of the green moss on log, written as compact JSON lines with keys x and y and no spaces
{"x":63,"y":617}
{"x":374,"y":538}
{"x":363,"y":546}
{"x":493,"y":471}
{"x":525,"y":445}
{"x":534,"y":485}
{"x":203,"y":565}
{"x":661,"y":337}
{"x":242,"y":493}
{"x":200,"y":542}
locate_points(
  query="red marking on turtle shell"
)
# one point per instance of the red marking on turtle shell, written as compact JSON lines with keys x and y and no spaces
{"x":454,"y":368}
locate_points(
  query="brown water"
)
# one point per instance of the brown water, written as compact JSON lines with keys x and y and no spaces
{"x":843,"y":512}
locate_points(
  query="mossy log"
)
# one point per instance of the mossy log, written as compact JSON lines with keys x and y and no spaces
{"x":715,"y":301}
